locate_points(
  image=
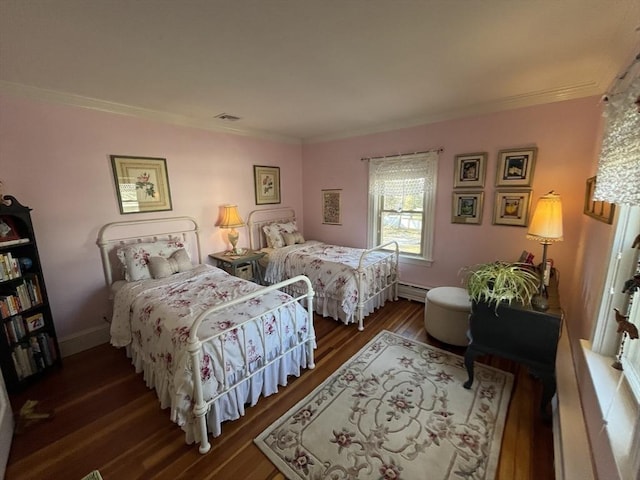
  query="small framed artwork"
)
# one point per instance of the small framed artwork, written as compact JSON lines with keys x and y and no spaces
{"x":142,"y":184}
{"x":267,"y":184}
{"x":467,"y":207}
{"x":331,"y":207}
{"x":515,"y":167}
{"x":601,"y":211}
{"x":469,"y":170}
{"x":511,"y":207}
{"x":9,"y":234}
{"x":35,"y":322}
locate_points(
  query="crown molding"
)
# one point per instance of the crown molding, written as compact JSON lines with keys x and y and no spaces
{"x":53,"y":96}
{"x":506,"y":103}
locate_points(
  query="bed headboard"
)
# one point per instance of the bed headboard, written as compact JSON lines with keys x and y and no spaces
{"x":259,"y":218}
{"x":118,"y":234}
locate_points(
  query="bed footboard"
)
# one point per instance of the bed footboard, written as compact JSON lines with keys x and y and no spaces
{"x":390,"y":281}
{"x":202,"y":406}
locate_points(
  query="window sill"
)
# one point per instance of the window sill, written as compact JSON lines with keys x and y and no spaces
{"x":618,"y":407}
{"x":411,"y":260}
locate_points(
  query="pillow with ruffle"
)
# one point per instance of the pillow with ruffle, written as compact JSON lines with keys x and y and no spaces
{"x":289,"y":227}
{"x":273,"y":236}
{"x":292,"y":238}
{"x":135,"y":258}
{"x":178,"y":261}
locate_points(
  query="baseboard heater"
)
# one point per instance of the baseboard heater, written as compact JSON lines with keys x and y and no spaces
{"x":412,"y":292}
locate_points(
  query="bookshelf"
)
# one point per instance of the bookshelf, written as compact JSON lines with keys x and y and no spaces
{"x":28,"y":342}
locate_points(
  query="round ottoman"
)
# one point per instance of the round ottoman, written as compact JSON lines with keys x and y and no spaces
{"x":446,"y":315}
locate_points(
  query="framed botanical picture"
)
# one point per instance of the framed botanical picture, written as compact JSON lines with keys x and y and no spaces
{"x":467,"y":207}
{"x":602,"y":211}
{"x":331,"y":207}
{"x":515,"y":167}
{"x":142,"y":184}
{"x":35,"y":322}
{"x":469,"y":170}
{"x":267,"y":184}
{"x":511,"y":207}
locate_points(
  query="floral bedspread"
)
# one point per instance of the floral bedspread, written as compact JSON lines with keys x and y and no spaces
{"x":154,"y":317}
{"x":332,"y":270}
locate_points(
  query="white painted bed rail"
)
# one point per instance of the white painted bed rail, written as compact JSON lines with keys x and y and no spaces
{"x":361,"y":277}
{"x":201,"y":406}
{"x":259,"y":218}
{"x":107,"y":240}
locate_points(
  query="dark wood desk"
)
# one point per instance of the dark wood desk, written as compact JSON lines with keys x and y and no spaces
{"x":521,"y":334}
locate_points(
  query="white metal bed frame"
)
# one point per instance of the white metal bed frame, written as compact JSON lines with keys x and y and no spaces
{"x":259,"y":218}
{"x":108,"y":245}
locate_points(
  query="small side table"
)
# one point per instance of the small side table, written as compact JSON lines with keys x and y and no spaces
{"x":243,"y":266}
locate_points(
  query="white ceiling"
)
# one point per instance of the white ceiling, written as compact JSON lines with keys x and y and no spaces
{"x":308,"y":70}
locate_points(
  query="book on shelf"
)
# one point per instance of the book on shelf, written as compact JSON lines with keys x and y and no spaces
{"x":33,"y":355}
{"x":14,"y":329}
{"x":9,"y":267}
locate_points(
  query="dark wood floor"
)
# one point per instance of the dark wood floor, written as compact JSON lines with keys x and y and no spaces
{"x":106,"y":418}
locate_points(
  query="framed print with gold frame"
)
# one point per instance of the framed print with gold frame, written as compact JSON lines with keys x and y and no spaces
{"x":511,"y":207}
{"x":142,"y":184}
{"x":515,"y":167}
{"x":332,"y":207}
{"x":267,"y":184}
{"x":469,"y":170}
{"x":467,"y":207}
{"x":600,"y":210}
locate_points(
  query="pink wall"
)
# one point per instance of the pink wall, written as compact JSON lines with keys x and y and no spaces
{"x":565,"y":134}
{"x":55,"y":159}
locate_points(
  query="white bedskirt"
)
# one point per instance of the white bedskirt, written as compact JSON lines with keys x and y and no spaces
{"x":231,"y":405}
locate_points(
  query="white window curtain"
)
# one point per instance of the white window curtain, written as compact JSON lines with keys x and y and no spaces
{"x":404,"y":174}
{"x":413,"y":174}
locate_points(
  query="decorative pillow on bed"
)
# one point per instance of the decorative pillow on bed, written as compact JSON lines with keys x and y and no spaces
{"x":289,"y":227}
{"x":273,"y":236}
{"x":161,"y":267}
{"x":135,"y":257}
{"x":274,"y":233}
{"x":292,"y":238}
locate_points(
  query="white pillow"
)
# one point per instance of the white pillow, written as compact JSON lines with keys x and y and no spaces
{"x":289,"y":227}
{"x":273,"y":236}
{"x":292,"y":238}
{"x":161,"y":267}
{"x":135,"y":258}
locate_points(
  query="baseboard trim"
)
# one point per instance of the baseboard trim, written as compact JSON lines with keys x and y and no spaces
{"x":84,"y":340}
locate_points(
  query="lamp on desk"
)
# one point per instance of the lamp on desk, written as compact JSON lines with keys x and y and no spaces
{"x":546,"y":228}
{"x":231,"y":219}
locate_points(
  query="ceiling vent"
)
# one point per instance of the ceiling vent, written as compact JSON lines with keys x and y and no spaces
{"x":227,"y":117}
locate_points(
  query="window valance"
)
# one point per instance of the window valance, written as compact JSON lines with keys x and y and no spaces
{"x":403,"y":175}
{"x":618,"y":177}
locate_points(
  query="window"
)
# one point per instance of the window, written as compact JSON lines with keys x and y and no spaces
{"x":402,"y":193}
{"x":621,"y":407}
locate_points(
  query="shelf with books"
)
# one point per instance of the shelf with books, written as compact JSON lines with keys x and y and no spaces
{"x":28,"y":342}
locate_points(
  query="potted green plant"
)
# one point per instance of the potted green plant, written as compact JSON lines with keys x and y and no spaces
{"x":498,"y":282}
{"x":503,"y":324}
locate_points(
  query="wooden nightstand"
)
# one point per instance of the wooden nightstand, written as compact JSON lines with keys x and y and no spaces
{"x":243,"y":266}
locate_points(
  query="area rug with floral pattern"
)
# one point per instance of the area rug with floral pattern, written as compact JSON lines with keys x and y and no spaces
{"x":395,"y":410}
